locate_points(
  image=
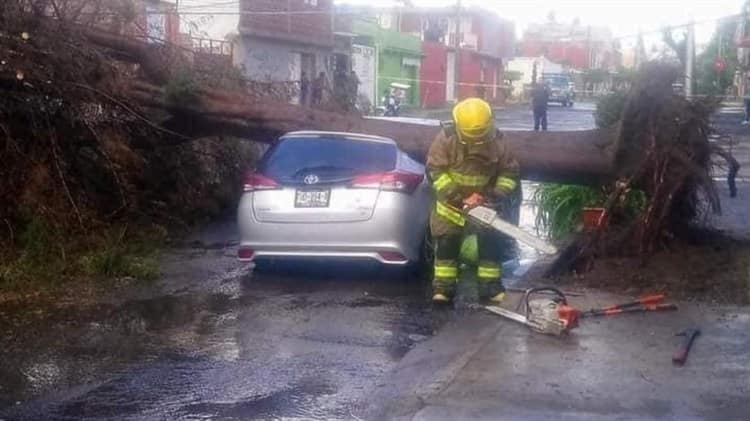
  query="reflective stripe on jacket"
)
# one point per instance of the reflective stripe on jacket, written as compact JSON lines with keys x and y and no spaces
{"x":458,"y":171}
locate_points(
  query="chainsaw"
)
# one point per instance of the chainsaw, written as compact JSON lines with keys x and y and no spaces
{"x":550,"y":316}
{"x":485,"y":216}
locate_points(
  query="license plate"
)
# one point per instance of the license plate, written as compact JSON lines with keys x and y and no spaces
{"x":312,"y":198}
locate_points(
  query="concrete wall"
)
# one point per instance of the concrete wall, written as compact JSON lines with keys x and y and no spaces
{"x":278,"y":61}
{"x":312,"y":24}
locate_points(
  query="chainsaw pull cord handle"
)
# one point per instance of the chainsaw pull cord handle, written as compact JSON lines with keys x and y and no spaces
{"x":530,"y":291}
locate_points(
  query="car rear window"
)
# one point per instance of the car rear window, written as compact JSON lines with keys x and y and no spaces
{"x":329,"y":158}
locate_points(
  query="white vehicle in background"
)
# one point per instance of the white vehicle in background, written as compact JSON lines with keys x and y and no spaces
{"x":327,"y":195}
{"x":562,"y":88}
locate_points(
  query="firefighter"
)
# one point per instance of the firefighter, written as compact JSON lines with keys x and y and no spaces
{"x":468,"y":157}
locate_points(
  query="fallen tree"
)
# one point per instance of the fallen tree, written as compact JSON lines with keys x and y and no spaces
{"x":69,"y":76}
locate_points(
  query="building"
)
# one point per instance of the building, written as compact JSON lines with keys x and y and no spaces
{"x":572,"y":44}
{"x":742,"y":40}
{"x":486,"y":42}
{"x":397,"y":60}
{"x":159,"y":21}
{"x":278,"y":40}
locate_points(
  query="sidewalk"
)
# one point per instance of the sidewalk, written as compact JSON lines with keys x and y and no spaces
{"x":481,"y":366}
{"x":484,"y":367}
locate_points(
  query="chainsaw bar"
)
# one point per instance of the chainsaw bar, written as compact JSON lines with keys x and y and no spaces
{"x":489,"y":217}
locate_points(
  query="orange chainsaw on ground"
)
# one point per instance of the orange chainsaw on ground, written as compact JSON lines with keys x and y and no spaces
{"x":550,"y":316}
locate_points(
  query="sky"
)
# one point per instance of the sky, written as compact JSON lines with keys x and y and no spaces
{"x":624,"y":17}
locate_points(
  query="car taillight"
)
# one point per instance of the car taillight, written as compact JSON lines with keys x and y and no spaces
{"x":393,"y":257}
{"x":402,"y":182}
{"x":254,"y":182}
{"x":245,"y":253}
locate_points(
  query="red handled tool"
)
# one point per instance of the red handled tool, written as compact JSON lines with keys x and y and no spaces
{"x":642,"y":305}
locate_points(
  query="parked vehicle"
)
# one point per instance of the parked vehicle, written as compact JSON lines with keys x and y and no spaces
{"x":335,"y":196}
{"x":392,"y":99}
{"x":561,"y":88}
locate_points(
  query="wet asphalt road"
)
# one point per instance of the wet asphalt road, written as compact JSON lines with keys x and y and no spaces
{"x":213,"y":339}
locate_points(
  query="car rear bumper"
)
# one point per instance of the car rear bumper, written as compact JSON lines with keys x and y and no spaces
{"x":392,"y":236}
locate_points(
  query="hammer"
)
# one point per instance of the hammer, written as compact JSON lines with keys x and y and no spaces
{"x":689,"y":336}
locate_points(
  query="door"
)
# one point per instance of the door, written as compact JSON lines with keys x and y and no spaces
{"x":363,"y":62}
{"x":450,"y":77}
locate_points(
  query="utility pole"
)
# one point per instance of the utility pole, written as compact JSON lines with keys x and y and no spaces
{"x":457,"y":46}
{"x":689,"y":59}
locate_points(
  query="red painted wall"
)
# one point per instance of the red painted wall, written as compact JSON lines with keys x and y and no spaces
{"x":433,"y":74}
{"x":472,"y":85}
{"x":574,"y":53}
{"x":470,"y":71}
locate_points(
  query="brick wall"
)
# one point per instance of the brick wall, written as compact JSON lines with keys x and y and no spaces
{"x":304,"y":21}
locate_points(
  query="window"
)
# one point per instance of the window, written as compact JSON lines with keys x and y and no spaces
{"x":331,"y":157}
{"x":313,"y":3}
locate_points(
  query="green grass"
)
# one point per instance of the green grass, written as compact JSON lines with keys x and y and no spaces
{"x":47,"y":256}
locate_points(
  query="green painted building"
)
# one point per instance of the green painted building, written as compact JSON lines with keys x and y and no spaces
{"x":399,"y":57}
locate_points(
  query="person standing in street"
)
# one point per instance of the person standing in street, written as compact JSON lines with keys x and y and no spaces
{"x":539,"y":100}
{"x":304,"y":89}
{"x":468,"y":158}
{"x":353,"y":89}
{"x":318,"y":86}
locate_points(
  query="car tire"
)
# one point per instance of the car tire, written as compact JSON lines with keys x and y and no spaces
{"x":424,"y":267}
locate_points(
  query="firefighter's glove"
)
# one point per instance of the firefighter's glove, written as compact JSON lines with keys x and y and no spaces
{"x":473,"y":201}
{"x":450,"y":196}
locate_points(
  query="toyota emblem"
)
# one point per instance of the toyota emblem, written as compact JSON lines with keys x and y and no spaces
{"x":311,"y":179}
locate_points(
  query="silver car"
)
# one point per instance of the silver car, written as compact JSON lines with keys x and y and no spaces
{"x":335,"y":195}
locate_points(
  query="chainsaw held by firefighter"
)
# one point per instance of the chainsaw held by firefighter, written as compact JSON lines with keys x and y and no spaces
{"x":485,"y":216}
{"x":548,"y":315}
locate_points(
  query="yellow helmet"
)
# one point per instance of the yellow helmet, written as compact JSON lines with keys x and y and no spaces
{"x":474,"y":121}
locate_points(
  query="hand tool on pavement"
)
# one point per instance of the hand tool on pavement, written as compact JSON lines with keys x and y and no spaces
{"x":550,"y":316}
{"x":642,"y":305}
{"x":689,"y":336}
{"x":484,"y":216}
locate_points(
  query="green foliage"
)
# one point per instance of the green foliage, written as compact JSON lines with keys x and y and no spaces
{"x":47,"y":256}
{"x":708,"y":81}
{"x":40,"y":256}
{"x":115,"y":262}
{"x":609,"y":109}
{"x":560,"y":206}
{"x":183,"y":88}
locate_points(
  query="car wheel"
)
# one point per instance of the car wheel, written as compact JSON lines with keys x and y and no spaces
{"x":423,"y":269}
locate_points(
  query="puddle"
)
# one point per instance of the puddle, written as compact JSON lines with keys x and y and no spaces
{"x":298,"y":402}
